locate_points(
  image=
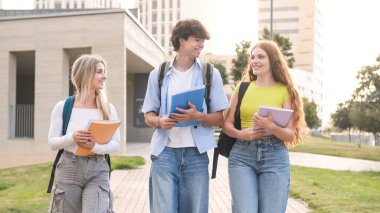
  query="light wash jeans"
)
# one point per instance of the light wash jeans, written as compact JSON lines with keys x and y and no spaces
{"x":179,"y":181}
{"x":259,"y":176}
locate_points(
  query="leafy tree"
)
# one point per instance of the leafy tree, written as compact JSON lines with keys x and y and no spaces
{"x":241,"y":61}
{"x":366,"y":109}
{"x":341,"y":118}
{"x":284,"y":43}
{"x":311,"y":117}
{"x":222,"y":69}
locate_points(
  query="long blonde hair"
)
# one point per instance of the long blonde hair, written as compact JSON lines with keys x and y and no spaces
{"x":83,"y":71}
{"x":280,"y":72}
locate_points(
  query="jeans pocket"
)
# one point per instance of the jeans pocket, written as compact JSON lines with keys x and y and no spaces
{"x":104,"y":199}
{"x":278,"y":146}
{"x":58,"y":201}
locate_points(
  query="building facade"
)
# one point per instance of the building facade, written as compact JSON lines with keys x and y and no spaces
{"x":159,"y":16}
{"x":78,"y":4}
{"x":301,"y":22}
{"x":36,"y":65}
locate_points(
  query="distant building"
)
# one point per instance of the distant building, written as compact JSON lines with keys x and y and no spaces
{"x":308,"y":88}
{"x":78,"y":4}
{"x":35,"y":67}
{"x":159,"y":16}
{"x":301,"y":21}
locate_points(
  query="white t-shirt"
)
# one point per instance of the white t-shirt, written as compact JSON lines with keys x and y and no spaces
{"x":180,"y":137}
{"x":78,"y":121}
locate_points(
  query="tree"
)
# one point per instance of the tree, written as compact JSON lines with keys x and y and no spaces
{"x":311,"y":117}
{"x":341,"y":118}
{"x":222,"y":69}
{"x":366,"y":98}
{"x":284,"y":43}
{"x":241,"y":61}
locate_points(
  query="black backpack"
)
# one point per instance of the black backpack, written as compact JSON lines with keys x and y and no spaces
{"x":66,"y":118}
{"x":225,"y":142}
{"x":207,"y":71}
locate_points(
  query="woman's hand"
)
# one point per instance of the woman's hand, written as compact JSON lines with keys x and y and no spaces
{"x":250,"y":134}
{"x":263,"y":122}
{"x":83,"y":139}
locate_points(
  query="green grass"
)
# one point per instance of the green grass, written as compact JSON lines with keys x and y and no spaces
{"x":23,"y":189}
{"x":336,"y":191}
{"x":326,"y":146}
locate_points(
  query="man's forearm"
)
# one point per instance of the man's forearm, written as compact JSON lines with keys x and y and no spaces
{"x":212,"y":119}
{"x":152,"y":119}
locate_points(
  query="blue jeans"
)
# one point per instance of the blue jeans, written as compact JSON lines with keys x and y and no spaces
{"x":259,"y":175}
{"x":179,"y":181}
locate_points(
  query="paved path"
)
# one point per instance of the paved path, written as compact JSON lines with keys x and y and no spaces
{"x":331,"y":162}
{"x":130,"y":187}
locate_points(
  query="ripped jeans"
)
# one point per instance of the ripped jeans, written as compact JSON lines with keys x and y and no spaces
{"x":81,"y":185}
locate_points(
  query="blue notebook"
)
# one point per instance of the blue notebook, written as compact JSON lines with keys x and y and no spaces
{"x":194,"y":95}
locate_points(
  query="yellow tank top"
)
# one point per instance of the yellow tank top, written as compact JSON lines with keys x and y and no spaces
{"x":274,"y":96}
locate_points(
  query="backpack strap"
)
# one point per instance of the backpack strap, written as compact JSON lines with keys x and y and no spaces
{"x":242,"y":89}
{"x":65,"y":122}
{"x":207,"y":72}
{"x":163,"y":68}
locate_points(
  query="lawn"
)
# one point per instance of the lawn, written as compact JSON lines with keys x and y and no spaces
{"x":336,"y":191}
{"x":325,"y":146}
{"x":23,"y":189}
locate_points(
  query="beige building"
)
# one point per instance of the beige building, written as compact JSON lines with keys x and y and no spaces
{"x":78,"y":4}
{"x":301,"y":21}
{"x":36,"y":53}
{"x":159,"y":16}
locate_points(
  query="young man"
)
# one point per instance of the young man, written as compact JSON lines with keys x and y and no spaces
{"x":179,"y":179}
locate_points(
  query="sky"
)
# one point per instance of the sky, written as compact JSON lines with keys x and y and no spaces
{"x":351,"y":38}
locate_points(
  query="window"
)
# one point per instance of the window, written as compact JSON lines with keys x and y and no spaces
{"x":154,"y":30}
{"x":163,"y":4}
{"x":154,"y":17}
{"x":154,"y":4}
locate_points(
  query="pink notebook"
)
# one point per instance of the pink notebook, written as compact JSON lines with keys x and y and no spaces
{"x":280,"y":116}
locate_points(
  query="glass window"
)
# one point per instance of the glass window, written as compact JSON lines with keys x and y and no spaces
{"x":154,"y":4}
{"x":154,"y":17}
{"x":154,"y":30}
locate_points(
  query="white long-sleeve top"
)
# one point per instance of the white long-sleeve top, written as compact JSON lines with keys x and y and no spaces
{"x":78,"y":121}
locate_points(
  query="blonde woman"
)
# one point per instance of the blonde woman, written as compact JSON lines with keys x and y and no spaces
{"x":82,"y":182}
{"x":258,"y":165}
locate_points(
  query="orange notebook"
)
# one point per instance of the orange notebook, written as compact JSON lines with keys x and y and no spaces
{"x":101,"y":132}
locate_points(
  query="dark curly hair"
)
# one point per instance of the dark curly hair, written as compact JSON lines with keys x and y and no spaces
{"x":185,"y":29}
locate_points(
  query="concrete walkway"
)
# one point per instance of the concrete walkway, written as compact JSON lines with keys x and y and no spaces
{"x":331,"y":162}
{"x":130,"y":187}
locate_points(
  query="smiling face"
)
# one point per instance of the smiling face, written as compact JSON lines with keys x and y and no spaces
{"x":99,"y":78}
{"x":260,"y":62}
{"x":192,"y":46}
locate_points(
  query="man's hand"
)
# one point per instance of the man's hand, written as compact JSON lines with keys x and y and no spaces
{"x":191,"y":114}
{"x":166,"y":123}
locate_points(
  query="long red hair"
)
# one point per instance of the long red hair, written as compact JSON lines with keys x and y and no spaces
{"x":280,"y":72}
